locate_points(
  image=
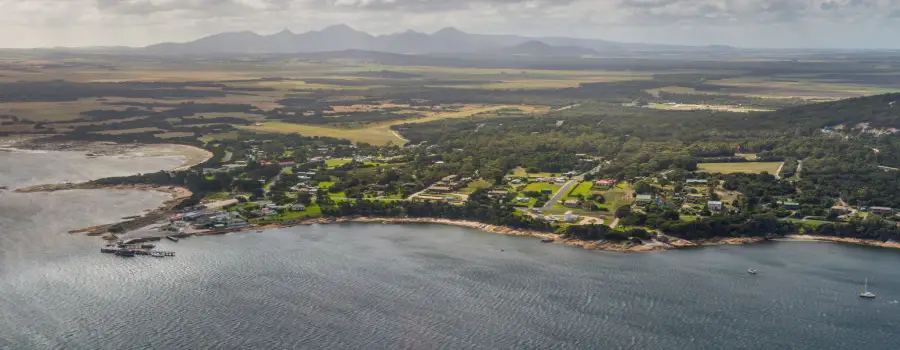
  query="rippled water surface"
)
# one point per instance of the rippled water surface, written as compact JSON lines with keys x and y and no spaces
{"x":365,"y":286}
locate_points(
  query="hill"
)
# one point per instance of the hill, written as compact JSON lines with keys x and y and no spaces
{"x":342,"y":37}
{"x":537,"y":48}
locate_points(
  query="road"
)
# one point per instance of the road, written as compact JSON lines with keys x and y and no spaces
{"x":778,"y":172}
{"x":568,"y":187}
{"x":562,"y":192}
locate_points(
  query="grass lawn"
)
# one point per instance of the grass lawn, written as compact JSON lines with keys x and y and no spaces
{"x":540,"y":186}
{"x":312,"y":210}
{"x":326,"y":184}
{"x":746,"y":167}
{"x":583,"y":189}
{"x":333,"y":163}
{"x":338,"y":195}
{"x":521,"y":172}
{"x":474,"y":185}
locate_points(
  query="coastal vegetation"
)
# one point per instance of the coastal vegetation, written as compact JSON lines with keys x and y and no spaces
{"x":606,"y":150}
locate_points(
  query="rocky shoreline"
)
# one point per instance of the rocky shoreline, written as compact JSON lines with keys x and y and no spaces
{"x":178,"y":194}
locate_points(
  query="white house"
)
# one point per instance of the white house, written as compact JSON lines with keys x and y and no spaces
{"x":714,"y":205}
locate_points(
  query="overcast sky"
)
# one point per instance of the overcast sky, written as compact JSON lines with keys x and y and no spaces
{"x":744,"y":23}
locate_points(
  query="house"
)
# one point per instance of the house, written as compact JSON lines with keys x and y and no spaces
{"x":790,"y":205}
{"x":691,"y":182}
{"x":561,"y":180}
{"x":440,"y":189}
{"x":881,"y":210}
{"x":449,"y":178}
{"x":570,"y":217}
{"x":840,"y":210}
{"x":605,"y":183}
{"x":572,"y":203}
{"x":498,"y":193}
{"x":695,"y":197}
{"x":714,"y":205}
{"x":516,"y":181}
{"x":523,"y":199}
{"x":643,"y":199}
{"x":297,"y":207}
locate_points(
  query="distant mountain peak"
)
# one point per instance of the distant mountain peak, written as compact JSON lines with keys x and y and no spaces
{"x":338,"y":28}
{"x":446,"y":31}
{"x":284,"y":32}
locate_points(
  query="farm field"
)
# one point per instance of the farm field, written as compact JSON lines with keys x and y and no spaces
{"x":378,"y":134}
{"x":743,"y":167}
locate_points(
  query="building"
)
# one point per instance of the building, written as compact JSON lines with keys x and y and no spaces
{"x":572,"y":203}
{"x":881,"y":210}
{"x":695,"y":197}
{"x":570,"y":217}
{"x":643,"y":199}
{"x":449,"y":178}
{"x":297,"y":207}
{"x":692,"y":182}
{"x":498,"y":193}
{"x":790,"y":205}
{"x":714,"y":205}
{"x":840,"y":210}
{"x":440,"y":189}
{"x":605,"y":183}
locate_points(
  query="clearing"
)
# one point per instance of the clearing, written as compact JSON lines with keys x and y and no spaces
{"x":743,"y":167}
{"x":378,"y":134}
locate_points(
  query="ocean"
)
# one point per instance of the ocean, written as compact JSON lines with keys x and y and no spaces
{"x":371,"y":286}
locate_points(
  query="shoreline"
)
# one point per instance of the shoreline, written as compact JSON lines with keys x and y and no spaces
{"x":190,"y":155}
{"x":620,"y":247}
{"x":178,"y":194}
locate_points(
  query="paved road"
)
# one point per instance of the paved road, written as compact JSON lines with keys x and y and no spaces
{"x":562,"y":192}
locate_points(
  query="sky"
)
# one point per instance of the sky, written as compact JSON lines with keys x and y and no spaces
{"x":853,"y":24}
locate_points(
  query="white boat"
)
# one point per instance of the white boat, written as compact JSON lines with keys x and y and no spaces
{"x":751,"y":271}
{"x":866,"y":293}
{"x":157,"y":254}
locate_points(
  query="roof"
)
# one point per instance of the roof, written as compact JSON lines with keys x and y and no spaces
{"x":697,"y":180}
{"x":714,"y":202}
{"x":880,"y":208}
{"x":606,"y":181}
{"x":644,"y":197}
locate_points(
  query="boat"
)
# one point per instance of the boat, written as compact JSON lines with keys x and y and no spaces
{"x":548,"y":240}
{"x":173,"y":239}
{"x":109,"y":249}
{"x":751,"y":271}
{"x":866,"y":293}
{"x":157,"y":254}
{"x":148,"y":246}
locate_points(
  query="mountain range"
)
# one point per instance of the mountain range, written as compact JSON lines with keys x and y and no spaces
{"x":445,"y":41}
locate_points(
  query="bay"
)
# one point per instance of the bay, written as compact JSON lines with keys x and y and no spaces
{"x":367,"y":286}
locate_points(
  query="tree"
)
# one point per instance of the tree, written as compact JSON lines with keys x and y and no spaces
{"x":623,"y":211}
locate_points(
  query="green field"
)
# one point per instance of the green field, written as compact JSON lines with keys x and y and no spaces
{"x":312,"y":210}
{"x":744,"y":167}
{"x":333,"y":163}
{"x":582,"y":189}
{"x":540,"y":186}
{"x":474,"y":185}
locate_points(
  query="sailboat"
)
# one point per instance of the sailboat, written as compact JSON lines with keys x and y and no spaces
{"x":866,"y":293}
{"x":751,"y":271}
